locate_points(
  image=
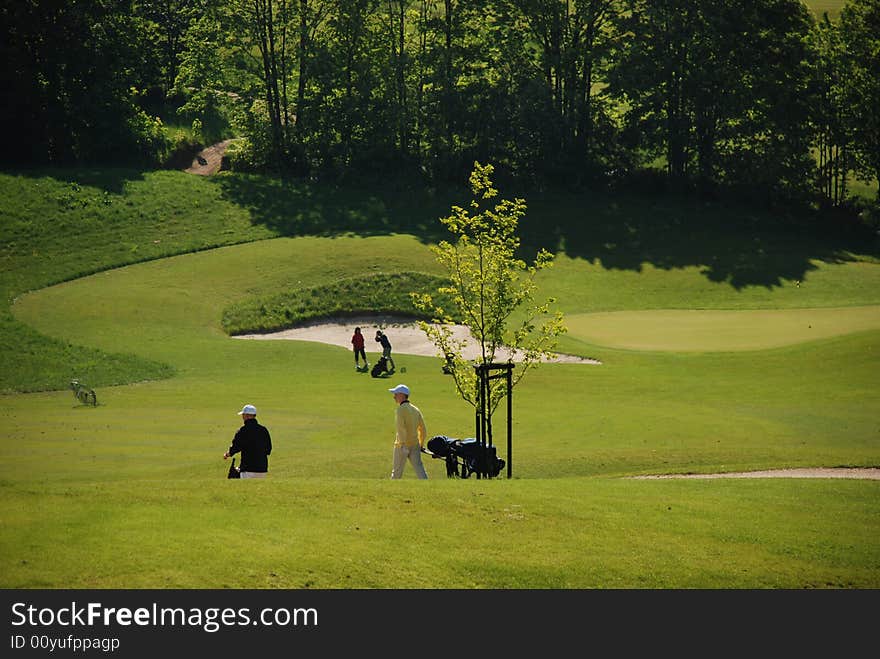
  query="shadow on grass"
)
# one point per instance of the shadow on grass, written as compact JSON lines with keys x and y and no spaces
{"x":738,"y":245}
{"x":735,"y":244}
{"x":106,"y":179}
{"x":300,"y":208}
{"x":741,"y":245}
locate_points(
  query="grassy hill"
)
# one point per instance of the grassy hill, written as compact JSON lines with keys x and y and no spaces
{"x":132,"y":493}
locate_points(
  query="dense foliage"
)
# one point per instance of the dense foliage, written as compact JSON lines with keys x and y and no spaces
{"x":756,"y":95}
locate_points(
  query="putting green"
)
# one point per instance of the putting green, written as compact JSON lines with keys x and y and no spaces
{"x":719,"y":331}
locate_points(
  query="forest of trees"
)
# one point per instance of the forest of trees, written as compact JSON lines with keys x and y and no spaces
{"x":736,"y":94}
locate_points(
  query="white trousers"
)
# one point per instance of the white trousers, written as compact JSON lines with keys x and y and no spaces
{"x":414,"y":455}
{"x":253,"y":474}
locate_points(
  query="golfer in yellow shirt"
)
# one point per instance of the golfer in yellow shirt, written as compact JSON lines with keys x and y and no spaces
{"x":411,"y":434}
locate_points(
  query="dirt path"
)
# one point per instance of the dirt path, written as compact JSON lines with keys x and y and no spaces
{"x":869,"y":473}
{"x":209,"y":159}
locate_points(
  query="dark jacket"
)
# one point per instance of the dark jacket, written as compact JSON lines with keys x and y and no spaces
{"x":254,"y":443}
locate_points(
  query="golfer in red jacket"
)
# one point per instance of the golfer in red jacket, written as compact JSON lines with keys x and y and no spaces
{"x":357,"y":341}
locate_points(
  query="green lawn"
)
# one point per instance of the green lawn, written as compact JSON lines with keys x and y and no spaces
{"x":831,"y":7}
{"x":720,"y":331}
{"x":339,"y":533}
{"x":133,"y":493}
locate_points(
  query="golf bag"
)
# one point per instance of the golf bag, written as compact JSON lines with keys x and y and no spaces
{"x":379,"y":367}
{"x":234,"y":472}
{"x":464,"y":457}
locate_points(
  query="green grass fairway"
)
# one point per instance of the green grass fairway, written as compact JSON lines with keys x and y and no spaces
{"x":709,"y":331}
{"x":132,"y":493}
{"x":305,"y":533}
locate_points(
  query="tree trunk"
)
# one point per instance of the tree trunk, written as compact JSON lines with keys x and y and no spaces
{"x":303,"y":66}
{"x":447,"y":74}
{"x":401,"y":79}
{"x":265,"y":37}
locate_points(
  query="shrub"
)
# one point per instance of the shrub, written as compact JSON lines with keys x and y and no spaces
{"x":381,"y":293}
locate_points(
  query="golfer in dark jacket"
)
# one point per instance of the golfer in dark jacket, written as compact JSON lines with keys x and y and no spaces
{"x":386,"y":346}
{"x":254,"y":443}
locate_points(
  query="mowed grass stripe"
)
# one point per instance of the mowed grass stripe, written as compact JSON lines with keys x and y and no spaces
{"x":719,"y":331}
{"x":319,"y":533}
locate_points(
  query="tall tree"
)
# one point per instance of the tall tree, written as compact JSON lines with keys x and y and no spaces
{"x":651,"y":75}
{"x":860,"y":32}
{"x":595,"y":42}
{"x":716,"y":113}
{"x":168,"y":23}
{"x":254,"y":24}
{"x":312,"y":16}
{"x":200,"y":76}
{"x":829,"y":111}
{"x":396,"y":16}
{"x":451,"y":107}
{"x":267,"y":26}
{"x":572,"y":39}
{"x":345,"y":78}
{"x":68,"y":74}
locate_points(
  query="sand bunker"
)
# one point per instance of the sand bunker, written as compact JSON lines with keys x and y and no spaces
{"x":405,"y":336}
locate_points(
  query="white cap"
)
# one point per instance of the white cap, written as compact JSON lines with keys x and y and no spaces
{"x":248,"y":409}
{"x":400,"y":389}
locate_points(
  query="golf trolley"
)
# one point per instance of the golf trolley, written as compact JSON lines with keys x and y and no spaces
{"x":477,"y":455}
{"x":84,"y":394}
{"x":465,"y":457}
{"x":380,"y":368}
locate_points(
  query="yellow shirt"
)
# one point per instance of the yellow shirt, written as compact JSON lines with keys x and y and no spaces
{"x":410,"y":426}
